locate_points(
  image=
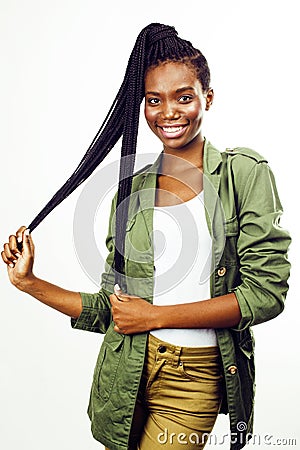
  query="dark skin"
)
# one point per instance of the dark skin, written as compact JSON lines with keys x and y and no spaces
{"x":169,"y":106}
{"x":175,"y":105}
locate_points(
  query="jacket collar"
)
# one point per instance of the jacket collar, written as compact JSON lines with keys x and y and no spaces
{"x":211,"y":161}
{"x":211,"y":158}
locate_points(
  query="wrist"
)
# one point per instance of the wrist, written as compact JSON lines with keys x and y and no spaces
{"x":26,"y":284}
{"x":156,"y":317}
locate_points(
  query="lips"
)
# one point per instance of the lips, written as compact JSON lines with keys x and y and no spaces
{"x":171,"y":132}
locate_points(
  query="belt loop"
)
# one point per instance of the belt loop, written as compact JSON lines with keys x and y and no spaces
{"x":176,"y":356}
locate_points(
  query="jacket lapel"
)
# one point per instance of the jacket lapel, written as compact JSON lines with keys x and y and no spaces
{"x":146,"y":194}
{"x":215,"y":216}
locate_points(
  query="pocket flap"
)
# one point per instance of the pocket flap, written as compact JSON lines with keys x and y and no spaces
{"x":113,"y":339}
{"x":247,"y":346}
{"x":232,"y":226}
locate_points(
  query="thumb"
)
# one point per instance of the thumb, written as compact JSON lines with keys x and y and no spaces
{"x":27,"y":242}
{"x":119,"y":293}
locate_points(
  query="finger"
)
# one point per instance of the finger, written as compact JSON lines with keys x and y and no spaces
{"x":20,"y":232}
{"x":117,"y":329}
{"x":9,"y":255}
{"x":113,"y":299}
{"x":7,"y":261}
{"x":19,"y":235}
{"x":12,"y":241}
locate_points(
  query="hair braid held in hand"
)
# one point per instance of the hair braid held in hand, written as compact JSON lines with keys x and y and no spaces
{"x":156,"y":44}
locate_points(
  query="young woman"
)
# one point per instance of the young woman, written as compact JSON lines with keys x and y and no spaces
{"x":177,"y":314}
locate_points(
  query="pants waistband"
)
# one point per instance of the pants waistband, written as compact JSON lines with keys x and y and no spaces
{"x":173,"y":353}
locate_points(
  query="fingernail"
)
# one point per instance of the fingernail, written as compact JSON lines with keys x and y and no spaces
{"x":15,"y":261}
{"x":11,"y":265}
{"x":117,"y":287}
{"x":19,"y":238}
{"x":18,"y":255}
{"x":27,"y":232}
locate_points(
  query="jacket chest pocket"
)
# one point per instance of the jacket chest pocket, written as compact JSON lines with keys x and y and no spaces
{"x":108,"y":362}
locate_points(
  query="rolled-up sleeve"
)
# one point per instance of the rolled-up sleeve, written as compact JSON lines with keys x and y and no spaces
{"x":262,"y":248}
{"x":95,"y":315}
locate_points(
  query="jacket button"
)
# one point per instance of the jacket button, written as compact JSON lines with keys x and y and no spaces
{"x":232,"y":370}
{"x":162,"y":349}
{"x":221,"y":271}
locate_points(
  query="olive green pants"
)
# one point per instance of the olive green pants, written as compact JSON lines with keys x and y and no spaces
{"x":179,"y":397}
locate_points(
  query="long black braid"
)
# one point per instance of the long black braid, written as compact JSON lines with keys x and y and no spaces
{"x":155,"y":44}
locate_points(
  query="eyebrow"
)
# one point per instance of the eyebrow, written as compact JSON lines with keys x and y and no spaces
{"x":182,"y":89}
{"x":185,"y":88}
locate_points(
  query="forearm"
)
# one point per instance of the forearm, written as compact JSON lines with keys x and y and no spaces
{"x":64,"y":301}
{"x":219,"y":312}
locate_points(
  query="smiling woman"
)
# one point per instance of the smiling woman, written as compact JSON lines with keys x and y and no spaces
{"x":175,"y":102}
{"x":176,"y":312}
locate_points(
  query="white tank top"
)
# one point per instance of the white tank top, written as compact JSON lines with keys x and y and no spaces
{"x":182,"y":260}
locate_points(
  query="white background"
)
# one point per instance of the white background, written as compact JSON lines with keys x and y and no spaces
{"x":61,"y":64}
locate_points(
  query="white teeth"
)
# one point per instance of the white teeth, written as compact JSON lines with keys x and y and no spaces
{"x":172,"y":129}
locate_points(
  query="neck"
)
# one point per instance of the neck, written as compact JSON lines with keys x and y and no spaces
{"x":177,"y":159}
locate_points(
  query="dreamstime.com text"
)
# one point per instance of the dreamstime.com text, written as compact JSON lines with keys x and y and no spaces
{"x":194,"y":438}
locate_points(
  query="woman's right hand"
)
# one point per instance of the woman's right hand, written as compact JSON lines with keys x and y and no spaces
{"x":19,"y":263}
{"x":19,"y":267}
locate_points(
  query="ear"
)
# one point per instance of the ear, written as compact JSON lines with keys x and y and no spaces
{"x":209,"y":98}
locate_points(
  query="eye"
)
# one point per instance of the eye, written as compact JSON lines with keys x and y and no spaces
{"x":153,"y":101}
{"x":185,"y":98}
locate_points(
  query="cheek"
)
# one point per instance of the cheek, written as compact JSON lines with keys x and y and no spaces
{"x":149,"y":114}
{"x":195,"y":112}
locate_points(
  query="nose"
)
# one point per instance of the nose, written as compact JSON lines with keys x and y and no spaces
{"x":170,"y":111}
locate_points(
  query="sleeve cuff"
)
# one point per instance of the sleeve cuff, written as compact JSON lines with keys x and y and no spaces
{"x":95,"y":316}
{"x":246,"y":314}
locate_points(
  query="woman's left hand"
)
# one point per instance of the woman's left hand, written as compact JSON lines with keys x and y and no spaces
{"x":131,"y":314}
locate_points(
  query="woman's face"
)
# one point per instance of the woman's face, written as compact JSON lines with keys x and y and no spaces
{"x":175,"y":105}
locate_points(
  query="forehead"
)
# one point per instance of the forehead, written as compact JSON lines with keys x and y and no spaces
{"x":171,"y":74}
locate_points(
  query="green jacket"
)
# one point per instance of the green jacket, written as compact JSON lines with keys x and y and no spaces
{"x":249,"y":258}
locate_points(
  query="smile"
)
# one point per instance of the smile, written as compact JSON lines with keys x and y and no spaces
{"x":172,"y":131}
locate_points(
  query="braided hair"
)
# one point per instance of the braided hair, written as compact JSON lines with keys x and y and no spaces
{"x":156,"y":44}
